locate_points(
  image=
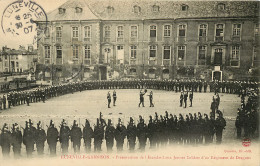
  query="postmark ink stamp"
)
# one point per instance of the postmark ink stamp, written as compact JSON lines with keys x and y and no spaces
{"x":18,"y":19}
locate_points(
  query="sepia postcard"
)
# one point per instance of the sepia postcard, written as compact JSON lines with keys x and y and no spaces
{"x":129,"y":82}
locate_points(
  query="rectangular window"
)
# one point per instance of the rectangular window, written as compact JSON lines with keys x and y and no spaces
{"x":58,"y":32}
{"x":219,"y":30}
{"x":87,"y":52}
{"x":47,"y":51}
{"x":236,"y":29}
{"x":256,"y":29}
{"x":166,"y":52}
{"x":107,"y":34}
{"x":47,"y":32}
{"x":202,"y":55}
{"x":235,"y":52}
{"x":167,"y":31}
{"x":59,"y":51}
{"x":203,"y":30}
{"x":234,"y":59}
{"x":107,"y":31}
{"x":153,"y":31}
{"x":181,"y":53}
{"x":152,"y":51}
{"x":75,"y":52}
{"x":120,"y":32}
{"x":87,"y":32}
{"x":182,"y":30}
{"x":75,"y":32}
{"x":133,"y":52}
{"x":133,"y":31}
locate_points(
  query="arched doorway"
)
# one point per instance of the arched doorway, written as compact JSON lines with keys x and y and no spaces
{"x":166,"y":74}
{"x":151,"y":73}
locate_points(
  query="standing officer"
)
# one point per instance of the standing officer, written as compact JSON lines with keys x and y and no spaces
{"x":5,"y":141}
{"x":108,"y":99}
{"x":17,"y":140}
{"x":40,"y":138}
{"x":239,"y":123}
{"x":28,"y":98}
{"x":151,"y":99}
{"x":52,"y":138}
{"x":185,"y":98}
{"x":181,"y":98}
{"x":220,"y":124}
{"x":191,"y":97}
{"x":120,"y":134}
{"x":64,"y":136}
{"x":109,"y":135}
{"x":141,"y":98}
{"x":4,"y":102}
{"x":76,"y":135}
{"x":114,"y":98}
{"x":9,"y":99}
{"x":131,"y":134}
{"x":88,"y":134}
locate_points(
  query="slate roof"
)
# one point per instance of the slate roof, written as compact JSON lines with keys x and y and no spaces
{"x":123,"y":9}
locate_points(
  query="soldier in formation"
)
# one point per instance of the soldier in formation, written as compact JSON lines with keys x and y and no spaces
{"x":52,"y":138}
{"x":160,"y":131}
{"x":41,"y":94}
{"x":88,"y":134}
{"x":40,"y":138}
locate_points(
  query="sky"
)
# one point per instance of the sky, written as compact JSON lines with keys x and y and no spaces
{"x":13,"y":41}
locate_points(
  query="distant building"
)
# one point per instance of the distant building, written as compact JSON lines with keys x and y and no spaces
{"x":150,"y":39}
{"x":18,"y":61}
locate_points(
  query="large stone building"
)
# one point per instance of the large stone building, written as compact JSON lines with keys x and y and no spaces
{"x":150,"y":39}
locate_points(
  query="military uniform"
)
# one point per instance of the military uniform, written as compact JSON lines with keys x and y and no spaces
{"x":64,"y":137}
{"x":98,"y":136}
{"x":109,"y":136}
{"x":76,"y":135}
{"x":220,"y":125}
{"x":131,"y":134}
{"x":120,"y":135}
{"x":142,"y":134}
{"x":17,"y":140}
{"x":29,"y":139}
{"x":88,"y":134}
{"x":52,"y":138}
{"x":40,"y":138}
{"x":5,"y":141}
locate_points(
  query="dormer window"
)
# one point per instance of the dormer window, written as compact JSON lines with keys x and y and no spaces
{"x":110,"y":9}
{"x":78,"y":10}
{"x":221,"y":6}
{"x":184,"y":7}
{"x":137,"y":9}
{"x":155,"y":8}
{"x":62,"y":10}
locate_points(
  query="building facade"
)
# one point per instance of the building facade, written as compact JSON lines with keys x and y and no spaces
{"x":18,"y":61}
{"x":150,"y":39}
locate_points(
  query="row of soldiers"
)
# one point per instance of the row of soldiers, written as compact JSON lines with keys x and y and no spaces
{"x":248,"y":116}
{"x":160,"y":131}
{"x":43,"y":93}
